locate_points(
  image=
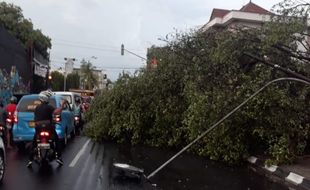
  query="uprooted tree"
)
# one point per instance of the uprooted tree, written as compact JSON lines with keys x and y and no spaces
{"x":200,"y":77}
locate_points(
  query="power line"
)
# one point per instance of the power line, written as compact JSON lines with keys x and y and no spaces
{"x":53,"y":62}
{"x":85,"y":43}
{"x":91,"y":45}
{"x":86,"y":47}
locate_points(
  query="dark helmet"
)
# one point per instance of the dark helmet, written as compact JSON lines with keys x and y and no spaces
{"x":13,"y":100}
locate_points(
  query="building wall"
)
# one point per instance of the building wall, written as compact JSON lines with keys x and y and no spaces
{"x":244,"y":24}
{"x":253,"y":19}
{"x":15,"y":67}
{"x":99,"y":75}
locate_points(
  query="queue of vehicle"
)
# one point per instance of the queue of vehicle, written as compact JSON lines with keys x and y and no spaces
{"x":68,"y":122}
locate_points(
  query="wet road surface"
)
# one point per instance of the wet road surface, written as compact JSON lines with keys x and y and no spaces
{"x":88,"y":165}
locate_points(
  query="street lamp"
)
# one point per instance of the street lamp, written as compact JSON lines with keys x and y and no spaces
{"x":68,"y":68}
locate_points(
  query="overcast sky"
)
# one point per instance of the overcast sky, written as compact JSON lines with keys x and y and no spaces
{"x":86,"y":28}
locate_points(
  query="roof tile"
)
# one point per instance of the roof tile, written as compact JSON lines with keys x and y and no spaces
{"x":253,"y":8}
{"x":219,"y":13}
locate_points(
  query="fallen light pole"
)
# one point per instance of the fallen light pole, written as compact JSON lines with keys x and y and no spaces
{"x":136,"y":170}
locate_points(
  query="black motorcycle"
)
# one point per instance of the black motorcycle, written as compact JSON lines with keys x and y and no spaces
{"x":45,"y":151}
{"x":78,"y":123}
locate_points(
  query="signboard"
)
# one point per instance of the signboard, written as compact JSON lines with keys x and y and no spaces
{"x":40,"y":69}
{"x":69,"y":66}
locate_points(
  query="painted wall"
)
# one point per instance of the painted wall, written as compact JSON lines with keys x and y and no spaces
{"x":15,"y":68}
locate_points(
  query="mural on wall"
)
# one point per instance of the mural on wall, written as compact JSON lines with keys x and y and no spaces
{"x":11,"y":83}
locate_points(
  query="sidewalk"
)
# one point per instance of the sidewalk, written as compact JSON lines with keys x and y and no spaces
{"x":296,"y":175}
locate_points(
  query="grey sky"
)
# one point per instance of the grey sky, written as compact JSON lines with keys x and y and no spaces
{"x":86,"y":28}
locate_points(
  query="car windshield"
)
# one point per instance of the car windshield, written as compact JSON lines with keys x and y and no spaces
{"x":29,"y":104}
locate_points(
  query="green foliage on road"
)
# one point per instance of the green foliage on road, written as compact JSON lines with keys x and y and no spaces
{"x":12,"y":18}
{"x":201,"y":77}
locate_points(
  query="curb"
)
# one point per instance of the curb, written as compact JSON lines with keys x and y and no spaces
{"x":290,"y":177}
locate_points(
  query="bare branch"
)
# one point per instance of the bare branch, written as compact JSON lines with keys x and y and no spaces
{"x":293,"y":54}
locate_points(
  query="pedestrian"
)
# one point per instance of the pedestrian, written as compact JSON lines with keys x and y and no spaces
{"x":10,"y":109}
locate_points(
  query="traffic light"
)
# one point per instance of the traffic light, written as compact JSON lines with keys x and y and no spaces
{"x":122,"y":49}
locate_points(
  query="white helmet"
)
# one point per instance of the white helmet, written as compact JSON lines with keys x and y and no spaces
{"x":44,"y":96}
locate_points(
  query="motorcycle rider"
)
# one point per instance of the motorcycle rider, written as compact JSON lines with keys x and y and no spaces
{"x":10,"y":110}
{"x":78,"y":107}
{"x":44,"y":113}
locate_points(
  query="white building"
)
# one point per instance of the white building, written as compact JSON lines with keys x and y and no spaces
{"x":250,"y":15}
{"x":98,"y":73}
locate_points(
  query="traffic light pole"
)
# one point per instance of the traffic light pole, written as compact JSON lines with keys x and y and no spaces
{"x":132,"y":53}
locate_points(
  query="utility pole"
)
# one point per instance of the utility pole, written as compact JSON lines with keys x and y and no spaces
{"x":68,"y":69}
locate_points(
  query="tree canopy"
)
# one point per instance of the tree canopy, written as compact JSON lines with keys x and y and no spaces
{"x":201,"y":77}
{"x":88,"y":77}
{"x":12,"y":18}
{"x":57,"y":82}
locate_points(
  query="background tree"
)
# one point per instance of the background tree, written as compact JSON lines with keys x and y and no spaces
{"x":73,"y":81}
{"x":57,"y":82}
{"x":11,"y":18}
{"x":88,"y":77}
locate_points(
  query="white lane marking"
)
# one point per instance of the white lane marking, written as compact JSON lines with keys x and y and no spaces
{"x":294,"y":178}
{"x":79,"y":154}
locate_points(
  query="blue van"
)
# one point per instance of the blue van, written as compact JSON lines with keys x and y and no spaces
{"x":23,"y":129}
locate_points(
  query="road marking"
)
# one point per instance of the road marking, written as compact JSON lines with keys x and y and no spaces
{"x":79,"y":154}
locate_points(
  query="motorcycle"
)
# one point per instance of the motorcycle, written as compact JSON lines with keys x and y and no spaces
{"x":10,"y":121}
{"x":45,"y":145}
{"x":9,"y":125}
{"x":78,"y":123}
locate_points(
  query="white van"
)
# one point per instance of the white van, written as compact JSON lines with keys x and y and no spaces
{"x":70,"y":97}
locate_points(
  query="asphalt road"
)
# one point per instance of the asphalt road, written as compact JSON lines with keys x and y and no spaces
{"x":88,"y":165}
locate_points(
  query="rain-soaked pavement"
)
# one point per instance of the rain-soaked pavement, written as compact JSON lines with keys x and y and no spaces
{"x":93,"y":170}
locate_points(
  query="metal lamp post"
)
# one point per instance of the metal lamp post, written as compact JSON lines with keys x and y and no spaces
{"x":68,"y":69}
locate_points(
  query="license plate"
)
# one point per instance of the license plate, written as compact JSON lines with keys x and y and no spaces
{"x":44,"y":145}
{"x":32,"y":124}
